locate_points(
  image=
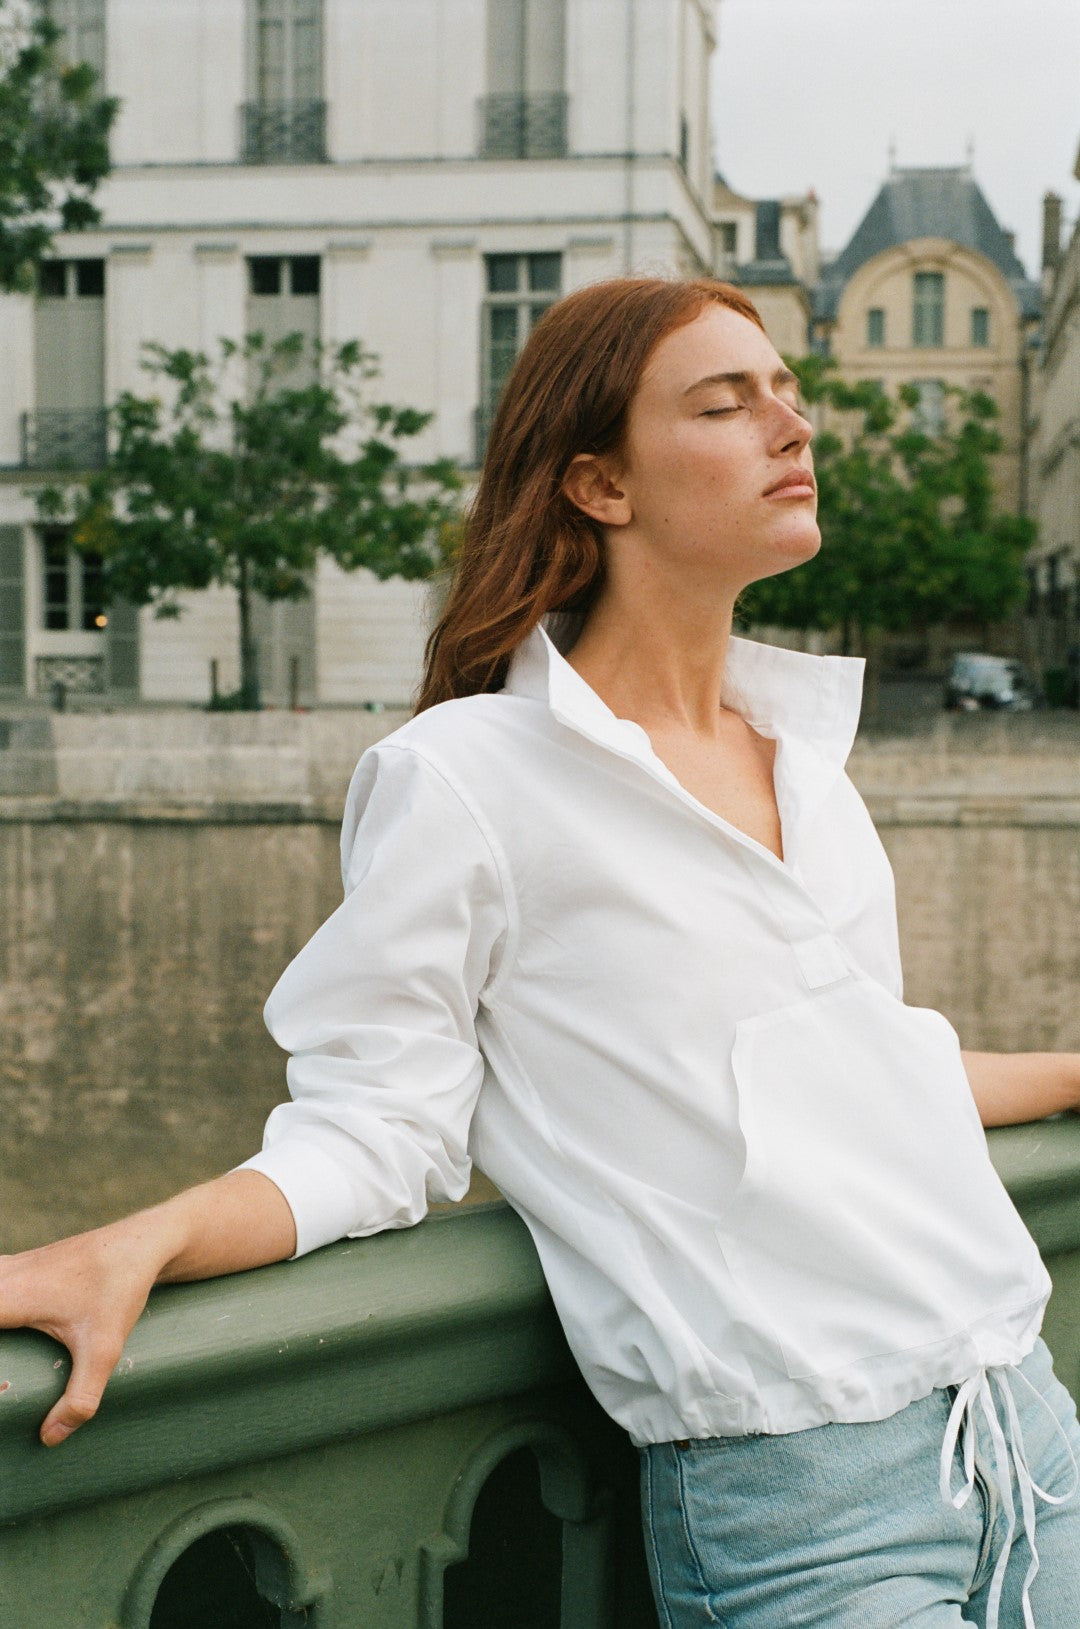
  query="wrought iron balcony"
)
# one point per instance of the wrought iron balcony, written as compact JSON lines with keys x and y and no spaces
{"x":70,"y":438}
{"x":274,"y":132}
{"x":523,"y":126}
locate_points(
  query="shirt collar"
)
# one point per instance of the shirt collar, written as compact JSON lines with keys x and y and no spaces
{"x":783,"y":693}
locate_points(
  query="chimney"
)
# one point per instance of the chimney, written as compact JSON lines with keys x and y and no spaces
{"x":1051,"y":232}
{"x":767,"y":230}
{"x":1010,"y":239}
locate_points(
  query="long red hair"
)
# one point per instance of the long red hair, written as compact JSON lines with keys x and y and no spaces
{"x":527,"y":548}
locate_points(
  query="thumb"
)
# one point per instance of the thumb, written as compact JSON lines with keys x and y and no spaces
{"x":93,"y":1361}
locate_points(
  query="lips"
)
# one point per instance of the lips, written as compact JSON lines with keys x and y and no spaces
{"x":799,"y":482}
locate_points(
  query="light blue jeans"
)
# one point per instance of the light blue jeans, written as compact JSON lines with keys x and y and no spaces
{"x":844,"y":1526}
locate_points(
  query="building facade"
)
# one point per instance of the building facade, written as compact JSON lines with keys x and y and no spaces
{"x":930,"y":292}
{"x":769,"y":246}
{"x":424,"y":175}
{"x":1054,"y":570}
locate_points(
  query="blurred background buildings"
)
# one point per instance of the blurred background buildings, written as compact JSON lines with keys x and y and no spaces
{"x":427,"y":176}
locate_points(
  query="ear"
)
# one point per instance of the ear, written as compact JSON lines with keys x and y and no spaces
{"x":590,"y":484}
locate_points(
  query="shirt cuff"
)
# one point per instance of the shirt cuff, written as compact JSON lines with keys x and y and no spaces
{"x":317,"y":1191}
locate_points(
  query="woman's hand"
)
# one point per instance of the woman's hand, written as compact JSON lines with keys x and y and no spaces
{"x":88,"y":1291}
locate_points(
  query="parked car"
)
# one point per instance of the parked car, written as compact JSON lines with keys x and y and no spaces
{"x":977,"y":680}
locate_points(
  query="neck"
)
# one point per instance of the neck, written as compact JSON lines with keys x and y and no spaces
{"x":657,"y":655}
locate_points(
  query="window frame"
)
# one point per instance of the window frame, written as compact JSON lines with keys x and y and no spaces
{"x":928,"y":311}
{"x":528,"y":301}
{"x":78,"y":605}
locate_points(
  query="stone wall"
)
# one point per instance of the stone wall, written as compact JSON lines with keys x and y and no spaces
{"x":157,"y":872}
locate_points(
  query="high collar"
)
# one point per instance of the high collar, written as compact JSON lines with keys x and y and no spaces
{"x":786,"y":694}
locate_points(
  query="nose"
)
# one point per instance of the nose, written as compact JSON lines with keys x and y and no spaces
{"x":791,"y":430}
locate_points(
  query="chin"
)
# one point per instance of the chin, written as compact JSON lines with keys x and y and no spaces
{"x":791,"y":551}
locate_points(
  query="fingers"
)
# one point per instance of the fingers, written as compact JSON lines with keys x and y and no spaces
{"x":93,"y":1361}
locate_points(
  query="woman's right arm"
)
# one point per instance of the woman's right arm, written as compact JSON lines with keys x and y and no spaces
{"x":378,"y":1013}
{"x":88,"y":1291}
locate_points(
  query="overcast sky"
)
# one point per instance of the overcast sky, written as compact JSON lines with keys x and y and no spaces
{"x":810,"y":93}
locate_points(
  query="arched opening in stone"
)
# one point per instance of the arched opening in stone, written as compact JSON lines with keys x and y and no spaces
{"x":513,"y":1571}
{"x":215,"y":1584}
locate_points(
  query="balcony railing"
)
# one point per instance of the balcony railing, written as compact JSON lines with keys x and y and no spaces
{"x":390,"y":1431}
{"x":72,"y":438}
{"x":523,"y":126}
{"x":283,"y":132}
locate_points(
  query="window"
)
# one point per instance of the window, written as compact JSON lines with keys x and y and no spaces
{"x":524,"y":113}
{"x":519,"y":290}
{"x":928,"y":317}
{"x":684,"y":141}
{"x":82,"y":31}
{"x":277,"y":274}
{"x":283,"y":298}
{"x":284,"y":122}
{"x":980,"y":326}
{"x":929,"y":413}
{"x":875,"y":326}
{"x":729,"y":239}
{"x":72,"y":598}
{"x":67,"y":428}
{"x":71,"y":280}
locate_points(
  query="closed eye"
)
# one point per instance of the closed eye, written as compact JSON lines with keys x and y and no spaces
{"x":719,"y":412}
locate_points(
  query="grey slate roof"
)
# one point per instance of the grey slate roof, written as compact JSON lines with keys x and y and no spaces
{"x":927,"y":203}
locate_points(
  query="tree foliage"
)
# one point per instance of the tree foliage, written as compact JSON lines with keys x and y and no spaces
{"x":54,"y":141}
{"x":245,"y":469}
{"x":911,"y":536}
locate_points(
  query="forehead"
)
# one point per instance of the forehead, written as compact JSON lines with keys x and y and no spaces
{"x":718,"y":340}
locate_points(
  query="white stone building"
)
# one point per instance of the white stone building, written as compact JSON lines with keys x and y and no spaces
{"x":425,"y":175}
{"x":1054,"y":564}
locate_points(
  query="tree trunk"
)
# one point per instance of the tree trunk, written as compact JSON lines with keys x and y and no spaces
{"x":249,"y":650}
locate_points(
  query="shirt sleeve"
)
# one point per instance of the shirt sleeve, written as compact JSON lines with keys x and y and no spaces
{"x":378,"y":1011}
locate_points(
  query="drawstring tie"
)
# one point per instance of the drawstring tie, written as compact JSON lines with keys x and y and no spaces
{"x":976,"y":1394}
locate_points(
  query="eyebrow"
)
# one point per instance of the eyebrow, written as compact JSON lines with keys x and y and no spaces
{"x":782,"y":376}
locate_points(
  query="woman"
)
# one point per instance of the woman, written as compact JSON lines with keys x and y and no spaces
{"x":618,"y":928}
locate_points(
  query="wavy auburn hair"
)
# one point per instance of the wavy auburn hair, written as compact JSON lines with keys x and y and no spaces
{"x":528,"y":549}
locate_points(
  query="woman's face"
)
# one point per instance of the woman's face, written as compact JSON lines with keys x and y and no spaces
{"x":716,"y":464}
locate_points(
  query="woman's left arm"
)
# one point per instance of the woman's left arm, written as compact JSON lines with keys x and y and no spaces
{"x":1009,"y":1087}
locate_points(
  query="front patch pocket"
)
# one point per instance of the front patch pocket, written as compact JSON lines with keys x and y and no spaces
{"x":869,"y":1218}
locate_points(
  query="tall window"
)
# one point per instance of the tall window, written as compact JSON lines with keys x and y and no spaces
{"x":67,"y":428}
{"x":524,"y":112}
{"x":283,"y":298}
{"x":875,"y":326}
{"x":82,"y":26}
{"x":928,"y":315}
{"x":980,"y":326}
{"x":285,"y":120}
{"x":519,"y":290}
{"x":929,"y":414}
{"x":729,"y":241}
{"x":72,"y":600}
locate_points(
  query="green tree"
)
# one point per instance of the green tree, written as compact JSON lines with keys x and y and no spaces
{"x":54,"y":141}
{"x":252,"y":467}
{"x":910,"y":532}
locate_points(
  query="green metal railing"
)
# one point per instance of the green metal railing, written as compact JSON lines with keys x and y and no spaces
{"x":390,"y":1434}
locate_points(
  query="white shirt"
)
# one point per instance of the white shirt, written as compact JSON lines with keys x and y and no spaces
{"x":756,"y":1180}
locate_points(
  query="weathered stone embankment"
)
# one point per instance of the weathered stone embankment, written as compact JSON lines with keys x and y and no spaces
{"x":158,"y":869}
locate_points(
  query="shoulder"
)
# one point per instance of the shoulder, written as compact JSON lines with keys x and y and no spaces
{"x":435,"y":773}
{"x":471,"y":741}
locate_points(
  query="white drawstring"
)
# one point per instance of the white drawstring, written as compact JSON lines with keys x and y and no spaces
{"x":962,"y":1419}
